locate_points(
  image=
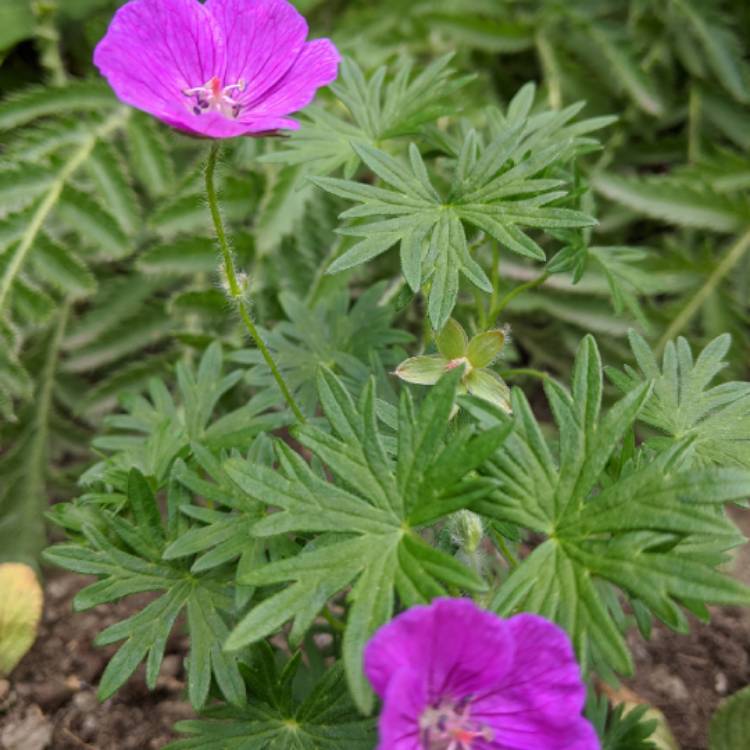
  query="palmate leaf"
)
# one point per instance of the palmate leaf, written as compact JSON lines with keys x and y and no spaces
{"x":655,"y":530}
{"x":379,"y":107}
{"x":370,"y":515}
{"x":619,"y":728}
{"x":683,"y":404}
{"x":326,"y":333}
{"x":494,"y":189}
{"x":125,"y":553}
{"x":155,"y":430}
{"x":272,"y":719}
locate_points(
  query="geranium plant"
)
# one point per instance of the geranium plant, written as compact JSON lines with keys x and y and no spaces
{"x":262,"y":349}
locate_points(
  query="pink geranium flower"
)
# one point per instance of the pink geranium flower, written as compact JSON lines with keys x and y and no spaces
{"x":219,"y":69}
{"x":455,"y":677}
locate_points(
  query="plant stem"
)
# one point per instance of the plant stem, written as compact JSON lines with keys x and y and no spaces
{"x":728,"y":262}
{"x":530,"y":372}
{"x":510,"y":558}
{"x":235,"y":290}
{"x":508,"y":298}
{"x":694,"y":126}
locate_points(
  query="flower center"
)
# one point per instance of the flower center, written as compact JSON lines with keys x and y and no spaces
{"x":447,"y":725}
{"x":213,"y":97}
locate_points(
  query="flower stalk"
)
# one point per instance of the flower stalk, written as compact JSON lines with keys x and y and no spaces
{"x":235,"y":289}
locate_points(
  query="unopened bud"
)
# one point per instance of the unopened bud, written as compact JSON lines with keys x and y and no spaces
{"x":467,"y":530}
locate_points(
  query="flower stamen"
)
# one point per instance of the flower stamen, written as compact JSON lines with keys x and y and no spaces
{"x":448,"y":725}
{"x":213,"y":96}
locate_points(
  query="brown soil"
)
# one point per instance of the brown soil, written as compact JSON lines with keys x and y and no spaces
{"x":50,"y":700}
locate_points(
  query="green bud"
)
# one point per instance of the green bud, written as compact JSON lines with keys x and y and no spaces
{"x":452,"y":340}
{"x":424,"y":370}
{"x":485,"y":347}
{"x":489,"y":386}
{"x":467,"y":531}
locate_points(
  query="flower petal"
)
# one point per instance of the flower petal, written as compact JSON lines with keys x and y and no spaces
{"x":263,"y":40}
{"x":462,"y":649}
{"x":316,"y":66}
{"x":154,"y":49}
{"x":538,"y":702}
{"x":405,"y":701}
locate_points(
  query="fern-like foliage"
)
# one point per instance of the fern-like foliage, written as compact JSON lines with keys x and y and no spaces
{"x":330,"y":334}
{"x":380,"y":108}
{"x":651,"y":529}
{"x":495,"y":187}
{"x":124,"y":550}
{"x":275,"y":718}
{"x":118,"y":534}
{"x":714,"y":419}
{"x":372,"y":513}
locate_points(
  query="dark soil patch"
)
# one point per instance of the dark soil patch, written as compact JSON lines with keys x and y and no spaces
{"x":50,"y":700}
{"x":687,"y":676}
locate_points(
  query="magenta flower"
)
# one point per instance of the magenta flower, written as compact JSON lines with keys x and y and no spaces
{"x":219,"y":69}
{"x":455,"y":677}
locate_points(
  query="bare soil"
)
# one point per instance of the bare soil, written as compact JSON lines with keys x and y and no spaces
{"x":50,"y":700}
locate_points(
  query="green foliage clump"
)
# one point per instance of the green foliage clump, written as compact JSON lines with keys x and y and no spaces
{"x":434,"y":209}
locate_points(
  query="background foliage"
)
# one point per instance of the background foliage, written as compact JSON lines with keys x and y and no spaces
{"x":578,"y":170}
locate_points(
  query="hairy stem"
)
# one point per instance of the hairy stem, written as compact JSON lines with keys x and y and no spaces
{"x":235,"y":290}
{"x":733,"y":256}
{"x":508,"y":298}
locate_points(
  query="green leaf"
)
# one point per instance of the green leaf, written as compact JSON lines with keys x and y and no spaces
{"x":148,"y":155}
{"x":675,"y":201}
{"x":42,"y":101}
{"x":730,"y":725}
{"x":377,"y":110}
{"x":324,"y":719}
{"x":721,"y":47}
{"x":132,"y":564}
{"x":489,"y":192}
{"x":94,"y":224}
{"x":633,"y":530}
{"x":59,"y":267}
{"x":327,"y":332}
{"x":626,"y":69}
{"x":113,"y":186}
{"x":16,"y":22}
{"x":369,"y":509}
{"x":715,"y":420}
{"x":489,"y":34}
